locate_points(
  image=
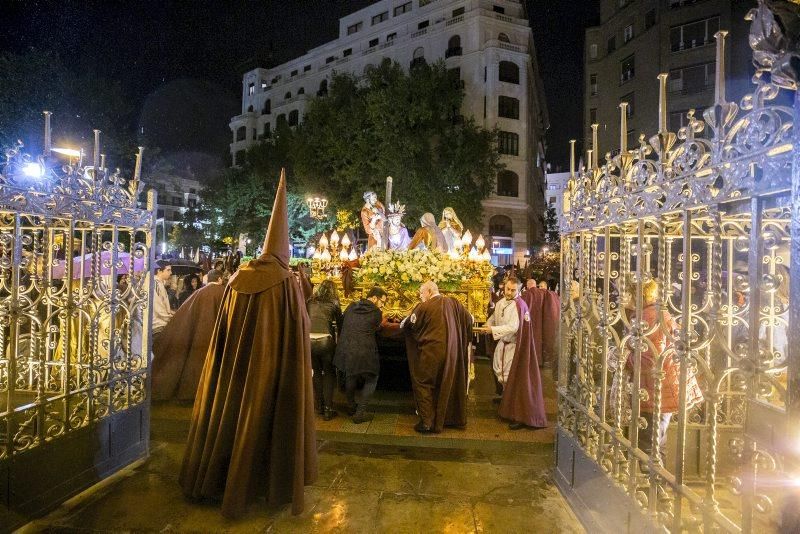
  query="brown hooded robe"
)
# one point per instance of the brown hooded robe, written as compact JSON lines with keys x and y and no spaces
{"x":438,"y":360}
{"x":252,"y":431}
{"x":180,"y":351}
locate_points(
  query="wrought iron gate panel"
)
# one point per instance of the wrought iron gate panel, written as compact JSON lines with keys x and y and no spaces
{"x":76,"y":256}
{"x":676,"y":258}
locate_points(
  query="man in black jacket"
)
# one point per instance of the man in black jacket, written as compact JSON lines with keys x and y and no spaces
{"x":357,"y":351}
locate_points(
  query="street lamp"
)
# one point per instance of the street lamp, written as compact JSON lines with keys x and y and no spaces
{"x":316,"y":207}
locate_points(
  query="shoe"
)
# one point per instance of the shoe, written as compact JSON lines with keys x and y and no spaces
{"x":515,"y":426}
{"x":361,"y":415}
{"x":351,"y":410}
{"x":422,"y":429}
{"x":328,"y":414}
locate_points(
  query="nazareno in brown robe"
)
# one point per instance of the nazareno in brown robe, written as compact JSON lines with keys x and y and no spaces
{"x":252,"y":431}
{"x":437,"y":342}
{"x":180,"y":351}
{"x":523,"y":400}
{"x":544,"y":308}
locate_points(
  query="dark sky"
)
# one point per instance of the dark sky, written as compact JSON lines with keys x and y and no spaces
{"x":162,"y":49}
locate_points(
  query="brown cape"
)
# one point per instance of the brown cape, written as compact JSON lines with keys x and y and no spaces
{"x":438,"y":360}
{"x":523,"y":400}
{"x":180,"y":351}
{"x":551,"y":322}
{"x":252,"y":432}
{"x":534,"y":298}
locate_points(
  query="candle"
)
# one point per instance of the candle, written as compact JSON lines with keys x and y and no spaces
{"x":334,"y":238}
{"x":480,"y":243}
{"x":47,"y":138}
{"x":325,"y":256}
{"x":103,"y":161}
{"x":137,"y":173}
{"x":466,"y":239}
{"x":323,"y":242}
{"x":346,"y":241}
{"x":353,"y":256}
{"x":343,"y":254}
{"x":473,"y":254}
{"x":595,"y":148}
{"x":96,"y":155}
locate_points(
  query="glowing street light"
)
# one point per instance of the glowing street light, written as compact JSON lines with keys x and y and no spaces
{"x":316,"y":207}
{"x":33,"y":170}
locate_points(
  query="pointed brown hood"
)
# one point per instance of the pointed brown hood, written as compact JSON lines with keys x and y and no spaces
{"x":276,"y":243}
{"x":272,"y":267}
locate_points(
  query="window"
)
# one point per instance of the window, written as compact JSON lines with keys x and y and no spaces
{"x":508,"y":143}
{"x":499,"y":9}
{"x":192,"y":190}
{"x":627,"y":70}
{"x":500,"y":226}
{"x":161,"y":212}
{"x":250,"y":108}
{"x":508,"y":107}
{"x":509,"y":72}
{"x":267,"y":107}
{"x":347,"y":52}
{"x":281,"y":120}
{"x":263,"y":85}
{"x":176,"y":201}
{"x":377,"y":19}
{"x":453,"y":47}
{"x":239,"y":158}
{"x":507,"y":184}
{"x":293,"y":73}
{"x":323,"y":88}
{"x":458,"y":11}
{"x":251,"y":88}
{"x":633,"y":139}
{"x":503,"y":38}
{"x":288,"y":95}
{"x":423,"y":24}
{"x":630,"y":99}
{"x":267,"y":130}
{"x":307,"y":68}
{"x":650,"y":19}
{"x":391,"y":36}
{"x":405,"y":8}
{"x":612,"y":44}
{"x":353,"y":28}
{"x":301,"y":91}
{"x":241,"y":133}
{"x":330,"y":59}
{"x":593,"y":84}
{"x":593,"y":51}
{"x":694,"y":34}
{"x":192,"y":203}
{"x":373,"y":42}
{"x":276,"y":79}
{"x":294,"y":117}
{"x":418,"y":57}
{"x":627,"y":33}
{"x":593,"y":116}
{"x":694,"y":79}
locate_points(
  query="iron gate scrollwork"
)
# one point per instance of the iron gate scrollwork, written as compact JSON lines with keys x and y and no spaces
{"x":75,"y":261}
{"x":678,"y":259}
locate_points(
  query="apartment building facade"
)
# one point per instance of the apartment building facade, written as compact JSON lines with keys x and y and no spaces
{"x":491,"y":45}
{"x":639,"y":39}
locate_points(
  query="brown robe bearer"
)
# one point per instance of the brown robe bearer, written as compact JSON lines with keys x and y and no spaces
{"x":252,"y":431}
{"x":439,"y":330}
{"x":180,"y":352}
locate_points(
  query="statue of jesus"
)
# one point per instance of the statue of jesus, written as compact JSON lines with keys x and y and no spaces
{"x":373,"y":215}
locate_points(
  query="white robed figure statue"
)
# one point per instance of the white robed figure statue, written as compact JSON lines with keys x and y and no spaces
{"x":398,"y":233}
{"x":451,"y":228}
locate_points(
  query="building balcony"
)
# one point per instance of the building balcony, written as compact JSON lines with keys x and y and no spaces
{"x":505,"y":46}
{"x":451,"y":52}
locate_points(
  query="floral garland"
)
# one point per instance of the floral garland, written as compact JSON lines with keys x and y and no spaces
{"x":408,"y":269}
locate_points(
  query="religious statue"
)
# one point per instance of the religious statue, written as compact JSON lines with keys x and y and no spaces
{"x":451,"y":228}
{"x":372,"y":217}
{"x":398,"y":233}
{"x":429,"y":235}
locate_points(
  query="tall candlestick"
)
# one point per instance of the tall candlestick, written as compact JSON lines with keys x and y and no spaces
{"x":595,"y":148}
{"x":589,"y":158}
{"x":137,"y":172}
{"x":623,"y":127}
{"x":389,"y":181}
{"x":662,"y":102}
{"x":96,"y":155}
{"x":572,"y":157}
{"x":47,"y":138}
{"x":103,"y":161}
{"x":719,"y":86}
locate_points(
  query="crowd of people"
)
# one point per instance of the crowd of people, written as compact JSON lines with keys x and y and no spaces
{"x":259,"y":355}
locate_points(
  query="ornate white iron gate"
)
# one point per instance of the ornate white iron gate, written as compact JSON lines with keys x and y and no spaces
{"x":680,"y":256}
{"x":75,"y":286}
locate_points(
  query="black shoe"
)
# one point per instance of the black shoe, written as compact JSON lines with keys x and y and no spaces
{"x":328,"y":414}
{"x":422,"y":429}
{"x":515,"y":426}
{"x":361,"y":415}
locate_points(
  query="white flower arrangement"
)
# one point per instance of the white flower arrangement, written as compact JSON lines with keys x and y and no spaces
{"x":410,"y":268}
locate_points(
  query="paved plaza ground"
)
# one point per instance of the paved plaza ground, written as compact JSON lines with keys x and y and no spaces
{"x":376,"y":477}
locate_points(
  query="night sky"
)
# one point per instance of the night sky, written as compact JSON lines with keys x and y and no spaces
{"x":164,"y":51}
